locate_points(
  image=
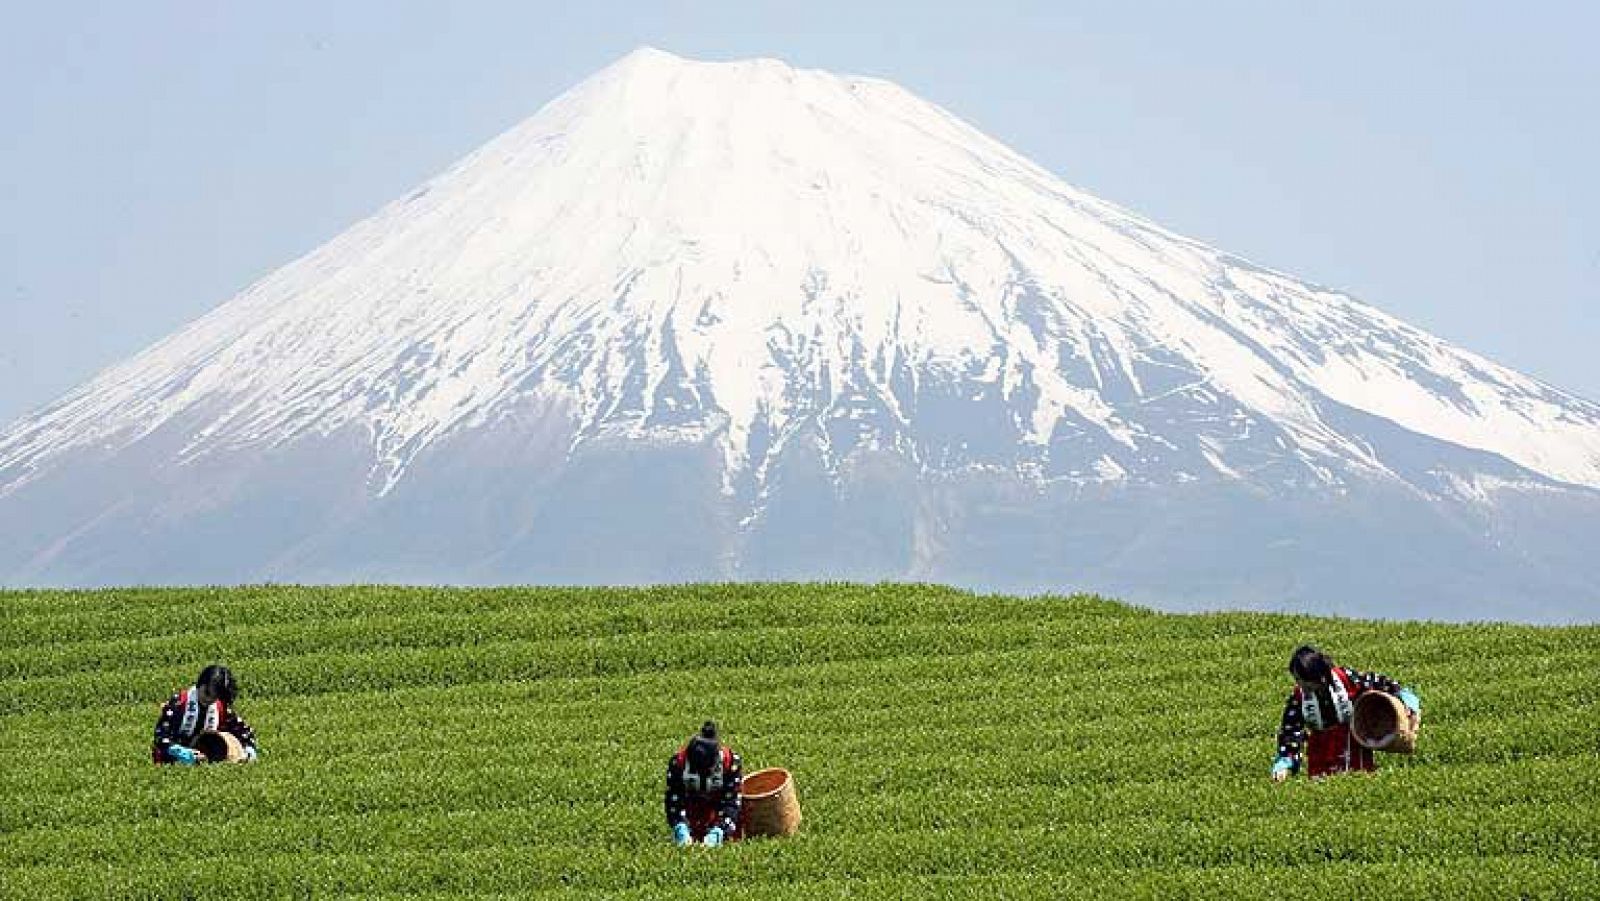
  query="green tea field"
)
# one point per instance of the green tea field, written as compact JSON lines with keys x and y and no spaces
{"x":512,"y":742}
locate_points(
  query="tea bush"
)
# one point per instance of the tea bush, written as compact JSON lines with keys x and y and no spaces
{"x":453,"y":742}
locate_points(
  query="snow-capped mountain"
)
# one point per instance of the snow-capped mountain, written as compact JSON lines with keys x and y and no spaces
{"x":733,"y":320}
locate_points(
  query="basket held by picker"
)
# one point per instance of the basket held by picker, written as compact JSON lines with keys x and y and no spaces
{"x":1383,"y":723}
{"x":220,"y":747}
{"x":769,"y":804}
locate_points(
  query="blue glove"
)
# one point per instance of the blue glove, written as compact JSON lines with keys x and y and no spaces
{"x":680,"y":834}
{"x":1410,"y":699}
{"x":714,"y":837}
{"x":183,"y":756}
{"x":1282,"y":765}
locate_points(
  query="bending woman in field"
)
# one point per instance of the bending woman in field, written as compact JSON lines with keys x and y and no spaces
{"x":205,"y":706}
{"x":1316,"y":734}
{"x":702,"y":798}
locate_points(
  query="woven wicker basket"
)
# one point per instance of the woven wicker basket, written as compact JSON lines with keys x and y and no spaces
{"x":769,"y":804}
{"x":1383,"y":723}
{"x":220,"y":747}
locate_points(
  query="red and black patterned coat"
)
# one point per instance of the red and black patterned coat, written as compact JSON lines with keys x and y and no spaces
{"x":1329,"y":747}
{"x":705,"y":801}
{"x":180,"y":723}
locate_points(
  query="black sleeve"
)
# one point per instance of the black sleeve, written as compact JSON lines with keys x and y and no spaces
{"x":240,"y":729}
{"x":676,"y":805}
{"x":1292,"y":733}
{"x":1366,"y":682}
{"x":731,"y":799}
{"x":166,"y":729}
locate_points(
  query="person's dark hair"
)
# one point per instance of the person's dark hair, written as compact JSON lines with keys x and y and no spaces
{"x":1310,"y":664}
{"x":218,"y":682}
{"x":705,"y":749}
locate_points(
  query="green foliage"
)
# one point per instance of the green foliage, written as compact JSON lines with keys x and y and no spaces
{"x":512,"y":741}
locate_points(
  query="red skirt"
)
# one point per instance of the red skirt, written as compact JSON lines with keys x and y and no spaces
{"x":1335,"y":750}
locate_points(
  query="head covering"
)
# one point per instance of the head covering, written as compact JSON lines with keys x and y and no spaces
{"x":705,"y":750}
{"x":218,"y":682}
{"x":1309,"y":663}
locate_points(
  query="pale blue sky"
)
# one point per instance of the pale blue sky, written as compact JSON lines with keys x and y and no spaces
{"x":1436,"y":159}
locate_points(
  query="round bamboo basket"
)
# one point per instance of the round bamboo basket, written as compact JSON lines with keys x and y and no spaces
{"x":769,"y":804}
{"x":1383,"y":723}
{"x":220,"y":747}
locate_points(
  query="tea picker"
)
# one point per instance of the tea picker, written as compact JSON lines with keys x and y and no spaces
{"x":199,"y":725}
{"x":702,"y":797}
{"x":1336,"y":717}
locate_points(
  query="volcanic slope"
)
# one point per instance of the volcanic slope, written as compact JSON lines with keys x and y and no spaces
{"x":447,"y":743}
{"x":743,"y":320}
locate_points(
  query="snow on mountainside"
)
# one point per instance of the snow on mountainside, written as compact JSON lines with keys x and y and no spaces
{"x":744,"y":247}
{"x":766,"y":264}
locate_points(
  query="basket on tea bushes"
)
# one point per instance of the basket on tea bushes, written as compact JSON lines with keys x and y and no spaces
{"x":769,"y":804}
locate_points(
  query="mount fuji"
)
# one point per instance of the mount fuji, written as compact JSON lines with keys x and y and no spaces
{"x":713,"y":321}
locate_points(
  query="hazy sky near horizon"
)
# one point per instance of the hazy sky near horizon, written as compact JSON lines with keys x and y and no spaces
{"x":1437,"y":160}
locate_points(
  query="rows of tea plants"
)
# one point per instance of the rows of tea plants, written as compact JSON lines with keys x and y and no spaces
{"x":450,"y":743}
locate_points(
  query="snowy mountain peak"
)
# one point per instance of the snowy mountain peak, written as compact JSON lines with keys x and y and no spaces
{"x":749,"y":255}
